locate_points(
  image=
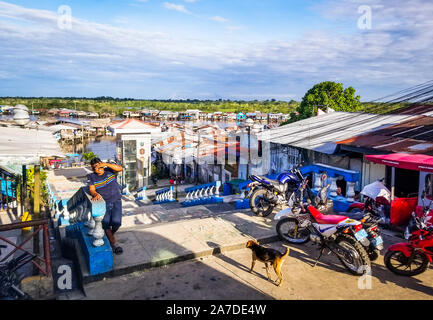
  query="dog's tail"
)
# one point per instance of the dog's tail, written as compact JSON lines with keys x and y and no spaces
{"x":285,"y":254}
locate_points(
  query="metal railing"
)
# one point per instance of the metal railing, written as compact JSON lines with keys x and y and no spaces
{"x":39,"y":225}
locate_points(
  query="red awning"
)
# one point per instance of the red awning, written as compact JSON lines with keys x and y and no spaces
{"x":417,"y":162}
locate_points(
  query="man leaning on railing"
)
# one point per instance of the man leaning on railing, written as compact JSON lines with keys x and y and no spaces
{"x":103,"y":185}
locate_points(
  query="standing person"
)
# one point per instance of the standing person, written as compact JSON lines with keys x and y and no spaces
{"x":103,"y":185}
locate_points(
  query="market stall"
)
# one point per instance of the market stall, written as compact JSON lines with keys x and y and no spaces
{"x":402,"y":208}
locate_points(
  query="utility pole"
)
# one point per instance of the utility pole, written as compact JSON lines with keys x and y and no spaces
{"x":36,"y":211}
{"x":197,"y":158}
{"x":248,"y":163}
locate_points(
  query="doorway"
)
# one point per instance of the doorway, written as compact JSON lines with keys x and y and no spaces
{"x":406,"y":182}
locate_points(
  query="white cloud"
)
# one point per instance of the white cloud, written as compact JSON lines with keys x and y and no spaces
{"x":219,"y":19}
{"x":397,"y":51}
{"x":177,"y":7}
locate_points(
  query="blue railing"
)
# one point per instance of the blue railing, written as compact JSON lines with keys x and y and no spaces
{"x":141,"y":195}
{"x":340,"y":203}
{"x":203,"y":194}
{"x":165,"y":195}
{"x":349,"y":175}
{"x":81,"y":218}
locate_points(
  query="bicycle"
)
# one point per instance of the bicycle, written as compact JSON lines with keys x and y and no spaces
{"x":10,"y":279}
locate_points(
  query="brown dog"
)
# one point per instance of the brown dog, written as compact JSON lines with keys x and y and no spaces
{"x":268,"y":255}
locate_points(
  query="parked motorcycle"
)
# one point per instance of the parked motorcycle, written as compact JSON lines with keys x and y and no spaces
{"x":289,"y":187}
{"x":413,"y":257}
{"x":343,"y":236}
{"x":10,"y":279}
{"x":377,"y":202}
{"x":370,"y":214}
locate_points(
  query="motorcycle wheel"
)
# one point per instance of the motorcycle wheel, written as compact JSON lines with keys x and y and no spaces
{"x":373,"y":255}
{"x":259,"y":205}
{"x":397,"y":262}
{"x":288,"y":230}
{"x":356,"y":260}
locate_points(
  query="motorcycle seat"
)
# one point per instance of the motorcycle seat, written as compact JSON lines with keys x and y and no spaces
{"x":274,"y":182}
{"x":325,"y":218}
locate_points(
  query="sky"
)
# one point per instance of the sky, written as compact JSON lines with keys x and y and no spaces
{"x":212,"y":49}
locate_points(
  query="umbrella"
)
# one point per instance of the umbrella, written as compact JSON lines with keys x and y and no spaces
{"x":375,"y":190}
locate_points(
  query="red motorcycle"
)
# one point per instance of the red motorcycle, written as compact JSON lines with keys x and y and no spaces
{"x":413,"y":257}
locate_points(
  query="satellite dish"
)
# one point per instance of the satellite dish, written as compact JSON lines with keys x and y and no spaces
{"x":21,"y":115}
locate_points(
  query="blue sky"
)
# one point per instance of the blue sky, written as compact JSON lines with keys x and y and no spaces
{"x":212,"y":49}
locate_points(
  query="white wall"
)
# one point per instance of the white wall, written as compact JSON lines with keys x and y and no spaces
{"x":372,"y":172}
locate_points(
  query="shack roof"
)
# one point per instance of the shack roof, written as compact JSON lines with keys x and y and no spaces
{"x":133,"y":126}
{"x":411,"y":136}
{"x":422,"y":109}
{"x":100,"y":123}
{"x":20,"y":146}
{"x":57,"y":127}
{"x":322,"y":132}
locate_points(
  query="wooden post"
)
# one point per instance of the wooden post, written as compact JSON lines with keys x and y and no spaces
{"x":23,"y":189}
{"x":82,"y":136}
{"x":36,"y":211}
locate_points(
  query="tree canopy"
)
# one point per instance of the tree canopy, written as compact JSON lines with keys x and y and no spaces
{"x":326,"y":95}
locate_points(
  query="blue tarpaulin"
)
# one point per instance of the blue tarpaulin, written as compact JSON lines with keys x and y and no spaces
{"x":10,"y":188}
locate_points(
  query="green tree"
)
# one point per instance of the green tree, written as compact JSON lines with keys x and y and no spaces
{"x":326,"y":95}
{"x":89,"y":156}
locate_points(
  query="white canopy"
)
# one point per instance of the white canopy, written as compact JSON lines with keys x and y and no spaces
{"x":375,"y":190}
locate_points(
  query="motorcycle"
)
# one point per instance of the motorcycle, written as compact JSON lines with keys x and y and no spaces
{"x":369,"y":221}
{"x":377,"y":202}
{"x":265,"y":194}
{"x":343,"y":236}
{"x":413,"y":257}
{"x":10,"y":279}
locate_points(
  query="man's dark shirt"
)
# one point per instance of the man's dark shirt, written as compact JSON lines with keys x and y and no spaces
{"x":106,"y":185}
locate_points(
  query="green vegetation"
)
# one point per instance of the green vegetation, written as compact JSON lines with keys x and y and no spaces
{"x":326,"y":95}
{"x":89,"y":156}
{"x":117,"y":106}
{"x":30,"y":182}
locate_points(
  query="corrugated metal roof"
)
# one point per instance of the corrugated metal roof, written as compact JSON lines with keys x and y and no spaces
{"x":423,"y":109}
{"x":132,"y":124}
{"x":321,"y":133}
{"x":26,"y":146}
{"x":411,"y":136}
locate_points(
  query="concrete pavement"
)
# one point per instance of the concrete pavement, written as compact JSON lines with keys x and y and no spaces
{"x":226,"y":276}
{"x":175,"y":234}
{"x":204,"y":257}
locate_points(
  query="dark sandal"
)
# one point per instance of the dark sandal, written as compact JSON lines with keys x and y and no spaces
{"x":117,"y":250}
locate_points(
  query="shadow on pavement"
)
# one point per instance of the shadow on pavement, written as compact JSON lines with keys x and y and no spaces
{"x":191,"y":280}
